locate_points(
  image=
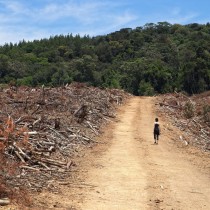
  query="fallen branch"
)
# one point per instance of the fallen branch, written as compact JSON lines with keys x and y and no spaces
{"x":4,"y":201}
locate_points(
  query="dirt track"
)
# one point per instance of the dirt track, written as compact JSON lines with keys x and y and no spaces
{"x":135,"y":174}
{"x":129,"y":172}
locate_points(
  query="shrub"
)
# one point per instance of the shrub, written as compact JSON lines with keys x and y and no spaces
{"x":189,"y":110}
{"x":206,"y":113}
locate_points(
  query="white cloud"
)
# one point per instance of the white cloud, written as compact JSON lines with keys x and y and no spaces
{"x":178,"y":16}
{"x":6,"y":19}
{"x":29,"y":34}
{"x":124,"y":19}
{"x":85,"y":13}
{"x":35,"y":19}
{"x":91,"y":17}
{"x":14,"y":7}
{"x":182,"y":19}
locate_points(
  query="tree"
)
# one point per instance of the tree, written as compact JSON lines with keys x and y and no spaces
{"x":4,"y":70}
{"x":110,"y":79}
{"x":146,"y":89}
{"x":155,"y":57}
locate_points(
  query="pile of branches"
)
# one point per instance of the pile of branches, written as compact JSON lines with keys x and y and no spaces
{"x":191,"y":115}
{"x":43,"y":129}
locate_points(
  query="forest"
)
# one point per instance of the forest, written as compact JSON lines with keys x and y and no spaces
{"x":151,"y":59}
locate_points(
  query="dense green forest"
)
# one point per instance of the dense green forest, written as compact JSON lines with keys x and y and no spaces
{"x":154,"y":58}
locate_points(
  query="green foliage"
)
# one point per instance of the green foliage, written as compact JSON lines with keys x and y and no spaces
{"x":26,"y":81}
{"x":206,"y":113}
{"x":154,"y":58}
{"x":145,"y":89}
{"x":110,"y":79}
{"x":60,"y":77}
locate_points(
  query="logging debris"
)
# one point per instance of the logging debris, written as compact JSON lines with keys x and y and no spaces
{"x":191,"y":114}
{"x":43,"y":129}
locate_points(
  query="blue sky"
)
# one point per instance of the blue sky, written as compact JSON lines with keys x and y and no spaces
{"x":36,"y":19}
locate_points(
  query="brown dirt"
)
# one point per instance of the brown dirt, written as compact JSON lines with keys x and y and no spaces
{"x":129,"y":172}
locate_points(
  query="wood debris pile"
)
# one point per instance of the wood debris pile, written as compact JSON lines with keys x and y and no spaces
{"x":43,"y":128}
{"x":191,"y":115}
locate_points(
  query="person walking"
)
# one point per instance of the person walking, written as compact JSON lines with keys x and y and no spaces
{"x":156,"y":131}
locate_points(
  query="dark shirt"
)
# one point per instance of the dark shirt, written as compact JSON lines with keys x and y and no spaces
{"x":156,"y":128}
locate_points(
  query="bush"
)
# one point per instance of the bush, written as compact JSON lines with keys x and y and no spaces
{"x":206,"y":113}
{"x":189,"y":110}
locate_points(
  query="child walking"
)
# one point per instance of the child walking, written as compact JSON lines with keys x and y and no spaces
{"x":156,"y":131}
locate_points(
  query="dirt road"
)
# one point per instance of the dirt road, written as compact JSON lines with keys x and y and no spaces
{"x":135,"y":174}
{"x":127,"y":171}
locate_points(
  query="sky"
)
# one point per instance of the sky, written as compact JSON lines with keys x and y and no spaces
{"x":37,"y":19}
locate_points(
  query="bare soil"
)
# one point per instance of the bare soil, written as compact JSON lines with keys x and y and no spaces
{"x":127,"y":171}
{"x":135,"y":173}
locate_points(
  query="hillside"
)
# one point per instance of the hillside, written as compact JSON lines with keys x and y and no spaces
{"x":67,"y":147}
{"x":154,"y":58}
{"x":191,"y":115}
{"x":42,"y":131}
{"x":126,"y":170}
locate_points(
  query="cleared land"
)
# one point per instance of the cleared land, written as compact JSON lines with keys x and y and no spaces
{"x":134,"y":173}
{"x":127,"y":171}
